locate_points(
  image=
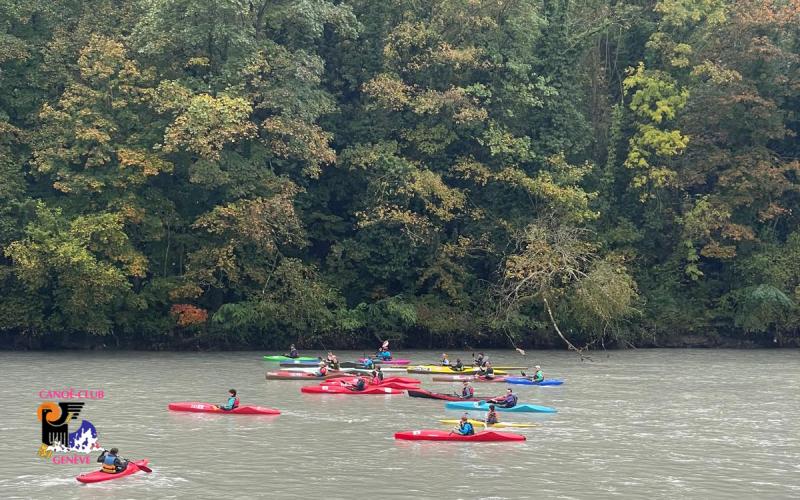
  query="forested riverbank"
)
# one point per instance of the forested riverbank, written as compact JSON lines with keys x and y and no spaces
{"x":201,"y":174}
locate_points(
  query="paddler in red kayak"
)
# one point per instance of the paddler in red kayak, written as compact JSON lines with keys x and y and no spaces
{"x":465,"y":428}
{"x":359,"y":385}
{"x":507,"y":401}
{"x":467,"y":392}
{"x":112,"y":462}
{"x":233,"y":401}
{"x":323,"y":369}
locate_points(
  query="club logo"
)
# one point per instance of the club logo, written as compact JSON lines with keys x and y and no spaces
{"x":57,"y":419}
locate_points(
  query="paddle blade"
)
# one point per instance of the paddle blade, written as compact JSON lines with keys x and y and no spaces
{"x":144,"y":468}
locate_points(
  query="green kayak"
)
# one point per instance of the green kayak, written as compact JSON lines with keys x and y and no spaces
{"x":287,"y":358}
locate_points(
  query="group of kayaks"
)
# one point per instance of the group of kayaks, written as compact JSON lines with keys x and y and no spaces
{"x":343,"y":381}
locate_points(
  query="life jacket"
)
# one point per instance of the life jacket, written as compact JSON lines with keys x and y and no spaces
{"x":109,"y":465}
{"x":323,"y":370}
{"x":236,"y":402}
{"x":294,"y":354}
{"x":511,"y":400}
{"x":491,"y":418}
{"x":467,"y":392}
{"x":467,"y":429}
{"x":380,"y":376}
{"x":368,"y":363}
{"x":360,"y":384}
{"x":538,"y":376}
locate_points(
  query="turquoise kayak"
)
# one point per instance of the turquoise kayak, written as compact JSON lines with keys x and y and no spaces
{"x":484,"y":406}
{"x":287,"y":359}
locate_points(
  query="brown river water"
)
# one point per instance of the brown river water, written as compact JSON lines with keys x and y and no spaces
{"x":652,"y":424}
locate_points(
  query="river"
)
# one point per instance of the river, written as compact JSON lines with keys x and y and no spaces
{"x":631,"y":424}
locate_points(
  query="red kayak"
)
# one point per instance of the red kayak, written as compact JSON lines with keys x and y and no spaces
{"x":394,"y":384}
{"x":210,"y":408}
{"x":98,"y":475}
{"x":462,"y":378}
{"x":422,"y":393}
{"x":338,"y":389}
{"x":439,"y":435}
{"x":287,"y":375}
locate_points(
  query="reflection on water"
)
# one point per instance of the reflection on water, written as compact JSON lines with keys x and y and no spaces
{"x":634,"y":424}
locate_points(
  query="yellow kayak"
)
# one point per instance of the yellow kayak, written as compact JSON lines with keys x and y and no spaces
{"x":446,"y":369}
{"x":498,"y":425}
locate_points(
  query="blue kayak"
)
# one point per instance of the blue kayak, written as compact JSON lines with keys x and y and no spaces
{"x":527,"y":381}
{"x":484,"y":406}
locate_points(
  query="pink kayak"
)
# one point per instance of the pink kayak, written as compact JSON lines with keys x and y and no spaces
{"x":210,"y":408}
{"x":394,"y":380}
{"x":389,"y":362}
{"x":287,"y":375}
{"x":338,"y":389}
{"x":440,"y":435}
{"x":463,"y":378}
{"x":393,"y":385}
{"x":98,"y":475}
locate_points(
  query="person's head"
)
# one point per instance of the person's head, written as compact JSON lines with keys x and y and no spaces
{"x":378,"y":368}
{"x":232,"y":392}
{"x":291,"y":346}
{"x":458,"y":360}
{"x":488,"y":363}
{"x":444,"y":354}
{"x":466,"y":382}
{"x":491,"y":407}
{"x":464,"y":417}
{"x":538,"y":367}
{"x":113,"y":451}
{"x":509,"y":391}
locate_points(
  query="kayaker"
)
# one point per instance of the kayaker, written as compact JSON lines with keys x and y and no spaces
{"x":368,"y":363}
{"x":465,"y":428}
{"x":293,"y":352}
{"x":383,"y":351}
{"x":444,"y":360}
{"x":467,"y":392}
{"x":233,"y":401}
{"x":479,"y":360}
{"x":380,"y":373}
{"x":323,"y":369}
{"x":491,"y":417}
{"x":538,"y":375}
{"x":459,"y":366}
{"x":359,"y":385}
{"x":112,"y":463}
{"x":375,"y":380}
{"x":332,"y":360}
{"x":486,"y":371}
{"x":507,"y":401}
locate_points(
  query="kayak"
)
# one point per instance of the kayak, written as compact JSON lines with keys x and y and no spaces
{"x":395,"y":380}
{"x":498,"y":425}
{"x":484,"y":406}
{"x":338,"y":389}
{"x":287,"y":358}
{"x":287,"y":375}
{"x":394,"y":385}
{"x":299,"y":363}
{"x":422,"y":393}
{"x":388,"y":362}
{"x":470,"y":378}
{"x":210,"y":408}
{"x":448,"y":369}
{"x":439,"y":435}
{"x":98,"y":475}
{"x":527,"y":381}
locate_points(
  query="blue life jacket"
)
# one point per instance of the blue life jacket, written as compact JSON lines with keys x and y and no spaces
{"x":110,"y":463}
{"x":511,"y":401}
{"x":385,"y":355}
{"x":368,"y":363}
{"x":466,"y":429}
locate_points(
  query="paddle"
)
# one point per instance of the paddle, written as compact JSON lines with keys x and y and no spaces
{"x":142,"y":467}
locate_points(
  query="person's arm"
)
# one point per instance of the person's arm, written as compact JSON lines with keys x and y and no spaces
{"x":102,"y":456}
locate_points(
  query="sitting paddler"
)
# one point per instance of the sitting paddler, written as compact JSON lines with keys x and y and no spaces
{"x":467,"y":392}
{"x":444,"y":360}
{"x":359,"y":385}
{"x":507,"y":401}
{"x":380,"y":373}
{"x":458,"y":366}
{"x":233,"y":401}
{"x":112,"y":462}
{"x":332,"y":360}
{"x":538,"y":375}
{"x":293,"y":352}
{"x":368,"y":364}
{"x":322,"y":370}
{"x":491,"y":417}
{"x":465,"y":428}
{"x":486,"y":371}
